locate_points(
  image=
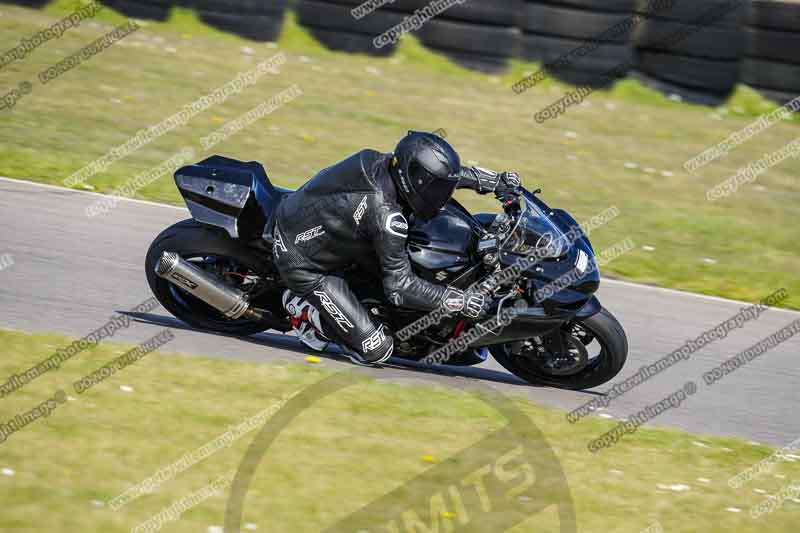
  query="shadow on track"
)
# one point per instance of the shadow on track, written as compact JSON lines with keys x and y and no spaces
{"x":397,"y":364}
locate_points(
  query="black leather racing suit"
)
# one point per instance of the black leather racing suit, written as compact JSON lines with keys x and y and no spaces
{"x":347,"y":212}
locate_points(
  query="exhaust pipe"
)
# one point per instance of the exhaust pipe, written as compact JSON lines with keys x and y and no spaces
{"x":229,"y":301}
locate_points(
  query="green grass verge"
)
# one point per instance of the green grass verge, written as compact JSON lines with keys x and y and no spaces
{"x":742,"y":247}
{"x":339,"y":454}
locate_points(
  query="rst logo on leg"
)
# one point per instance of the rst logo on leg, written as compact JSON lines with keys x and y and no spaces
{"x":374,"y":341}
{"x":334,"y":311}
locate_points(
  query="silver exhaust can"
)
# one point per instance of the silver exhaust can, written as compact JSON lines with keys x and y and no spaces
{"x":229,"y":301}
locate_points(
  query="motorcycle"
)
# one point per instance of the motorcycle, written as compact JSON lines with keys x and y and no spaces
{"x":215,"y":272}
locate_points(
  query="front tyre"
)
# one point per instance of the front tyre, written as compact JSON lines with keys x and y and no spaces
{"x":577,"y":369}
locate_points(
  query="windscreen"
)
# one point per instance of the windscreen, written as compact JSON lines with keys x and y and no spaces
{"x":535,"y":234}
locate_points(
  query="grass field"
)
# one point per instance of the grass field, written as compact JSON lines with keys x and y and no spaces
{"x":339,"y":454}
{"x":625,"y":147}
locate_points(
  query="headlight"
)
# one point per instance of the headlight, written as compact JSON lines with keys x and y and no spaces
{"x":582,"y":261}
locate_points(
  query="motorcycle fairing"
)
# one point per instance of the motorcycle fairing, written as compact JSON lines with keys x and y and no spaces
{"x":234,"y":195}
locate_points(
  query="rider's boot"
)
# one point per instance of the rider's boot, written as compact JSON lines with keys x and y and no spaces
{"x":305,"y":321}
{"x":377,"y":345}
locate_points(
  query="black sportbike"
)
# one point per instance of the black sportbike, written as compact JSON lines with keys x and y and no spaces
{"x":215,"y":272}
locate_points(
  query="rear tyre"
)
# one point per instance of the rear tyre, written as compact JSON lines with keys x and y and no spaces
{"x":192,"y":240}
{"x":613,"y":345}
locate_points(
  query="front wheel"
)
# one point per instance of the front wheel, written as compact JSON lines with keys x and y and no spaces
{"x":591,"y":352}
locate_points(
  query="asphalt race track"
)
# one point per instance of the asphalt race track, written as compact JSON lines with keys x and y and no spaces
{"x":72,"y":272}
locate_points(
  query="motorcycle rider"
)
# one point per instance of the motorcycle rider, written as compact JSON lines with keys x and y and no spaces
{"x":358,"y":208}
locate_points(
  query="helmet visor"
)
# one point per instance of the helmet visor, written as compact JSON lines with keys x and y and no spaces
{"x":432,"y":192}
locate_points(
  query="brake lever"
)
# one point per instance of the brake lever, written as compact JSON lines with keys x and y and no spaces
{"x":511,"y":203}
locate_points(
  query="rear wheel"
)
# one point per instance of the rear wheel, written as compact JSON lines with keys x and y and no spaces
{"x":591,"y":353}
{"x":215,"y":252}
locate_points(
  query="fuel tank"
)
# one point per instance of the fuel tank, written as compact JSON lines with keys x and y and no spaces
{"x":445,"y":246}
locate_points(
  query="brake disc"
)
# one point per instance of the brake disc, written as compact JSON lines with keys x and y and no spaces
{"x":573,"y":358}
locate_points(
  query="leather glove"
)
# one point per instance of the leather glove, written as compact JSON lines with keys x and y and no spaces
{"x":507,"y":188}
{"x":472,"y":304}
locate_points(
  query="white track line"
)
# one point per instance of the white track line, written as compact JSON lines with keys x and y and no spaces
{"x":690,"y":294}
{"x":604,"y":281}
{"x":78,"y":191}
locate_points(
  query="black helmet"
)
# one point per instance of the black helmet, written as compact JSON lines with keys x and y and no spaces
{"x":425,"y":169}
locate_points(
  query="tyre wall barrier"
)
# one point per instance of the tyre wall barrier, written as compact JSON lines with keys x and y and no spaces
{"x":771,"y":63}
{"x":697,"y":49}
{"x":694,"y":48}
{"x":551,"y":30}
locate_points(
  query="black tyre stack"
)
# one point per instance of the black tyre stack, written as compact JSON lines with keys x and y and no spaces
{"x":478,"y":34}
{"x":698,"y":49}
{"x":142,"y":9}
{"x":27,"y":3}
{"x":553,"y":29}
{"x":252,"y":19}
{"x":333,"y":25}
{"x":772,"y":62}
{"x":257,"y":20}
{"x":693,"y":48}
